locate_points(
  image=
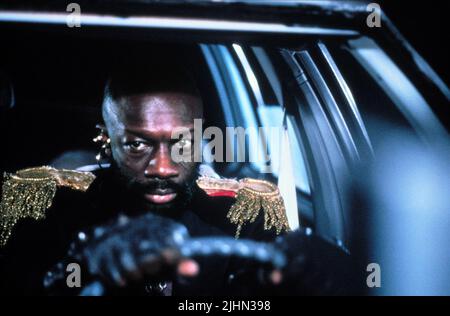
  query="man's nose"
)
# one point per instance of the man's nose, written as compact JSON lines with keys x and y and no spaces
{"x":162,"y":165}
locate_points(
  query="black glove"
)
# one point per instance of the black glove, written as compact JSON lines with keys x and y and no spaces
{"x":125,"y":251}
{"x":149,"y":248}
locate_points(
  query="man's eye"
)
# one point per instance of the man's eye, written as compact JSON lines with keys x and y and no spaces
{"x":136,"y":146}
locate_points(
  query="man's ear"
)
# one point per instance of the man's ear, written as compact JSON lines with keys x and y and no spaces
{"x":103,"y":130}
{"x":101,"y":127}
{"x":103,"y":138}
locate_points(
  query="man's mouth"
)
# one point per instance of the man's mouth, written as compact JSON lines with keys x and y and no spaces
{"x":160,"y":196}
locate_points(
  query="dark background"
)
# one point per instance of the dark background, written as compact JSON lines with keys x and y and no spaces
{"x":425,"y":25}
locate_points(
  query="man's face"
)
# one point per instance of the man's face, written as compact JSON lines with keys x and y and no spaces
{"x":141,"y":144}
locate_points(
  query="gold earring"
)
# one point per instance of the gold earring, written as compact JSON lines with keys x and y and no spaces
{"x":105,"y":149}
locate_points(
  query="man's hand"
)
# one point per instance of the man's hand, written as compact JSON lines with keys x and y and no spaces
{"x":133,"y":250}
{"x":136,"y":249}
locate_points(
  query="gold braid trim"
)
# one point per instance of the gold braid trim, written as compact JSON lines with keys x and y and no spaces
{"x":252,"y":195}
{"x":29,"y":193}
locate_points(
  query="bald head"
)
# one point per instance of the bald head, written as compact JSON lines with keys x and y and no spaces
{"x":137,"y":88}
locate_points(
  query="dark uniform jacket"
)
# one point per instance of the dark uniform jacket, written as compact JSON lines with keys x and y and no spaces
{"x":35,"y":246}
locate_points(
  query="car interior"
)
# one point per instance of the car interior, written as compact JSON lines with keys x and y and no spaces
{"x":352,"y":117}
{"x":329,"y":95}
{"x":52,"y":90}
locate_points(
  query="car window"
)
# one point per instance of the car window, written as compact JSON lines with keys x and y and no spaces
{"x":251,"y":98}
{"x":263,"y":82}
{"x":383,"y":93}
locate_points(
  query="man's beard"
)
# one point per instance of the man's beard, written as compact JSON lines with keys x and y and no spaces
{"x":135,"y":191}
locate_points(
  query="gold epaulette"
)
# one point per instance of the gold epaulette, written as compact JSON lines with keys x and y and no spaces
{"x":252,"y":195}
{"x":28,"y":193}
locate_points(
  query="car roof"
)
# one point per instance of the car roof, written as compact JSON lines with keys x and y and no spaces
{"x":318,"y":12}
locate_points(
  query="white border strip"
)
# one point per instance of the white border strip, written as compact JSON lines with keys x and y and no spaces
{"x":168,"y":23}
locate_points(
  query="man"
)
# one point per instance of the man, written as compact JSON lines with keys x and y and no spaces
{"x":106,"y":228}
